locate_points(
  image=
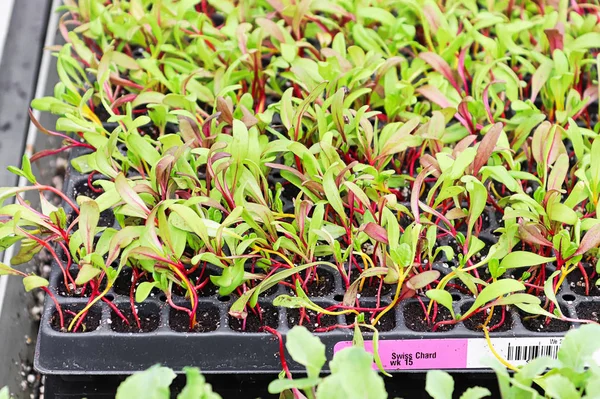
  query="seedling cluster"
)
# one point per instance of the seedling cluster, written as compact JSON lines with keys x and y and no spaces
{"x":271,"y":153}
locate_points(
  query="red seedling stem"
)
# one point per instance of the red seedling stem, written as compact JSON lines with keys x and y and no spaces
{"x":134,"y":281}
{"x":57,"y":305}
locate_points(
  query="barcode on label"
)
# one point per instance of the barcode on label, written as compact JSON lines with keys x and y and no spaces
{"x":529,"y":352}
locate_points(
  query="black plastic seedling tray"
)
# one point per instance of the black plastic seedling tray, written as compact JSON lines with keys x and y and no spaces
{"x":222,"y":348}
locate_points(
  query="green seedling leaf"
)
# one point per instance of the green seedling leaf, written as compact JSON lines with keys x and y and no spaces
{"x":477,"y":199}
{"x":86,"y":273}
{"x":475,"y":245}
{"x":493,"y":291}
{"x":562,"y":213}
{"x":237,"y":308}
{"x":578,"y":347}
{"x":333,"y":194}
{"x":534,"y":309}
{"x":549,"y":289}
{"x":6,"y":270}
{"x":143,"y":290}
{"x":357,"y":337}
{"x":517,"y":259}
{"x":149,"y":384}
{"x":33,"y":281}
{"x":280,"y":385}
{"x":540,"y":77}
{"x":439,"y":384}
{"x":401,"y":139}
{"x":196,"y":386}
{"x":586,"y":41}
{"x":352,"y":377}
{"x":306,"y":349}
{"x":297,"y":121}
{"x":295,"y":302}
{"x":88,"y":221}
{"x":442,"y":297}
{"x":476,"y":393}
{"x":534,"y":368}
{"x":230,"y":279}
{"x":560,"y":387}
{"x":25,"y":170}
{"x":517,"y":298}
{"x":4,"y":393}
{"x":28,"y":249}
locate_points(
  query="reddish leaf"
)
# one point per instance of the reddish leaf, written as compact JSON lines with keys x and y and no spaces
{"x":463,"y":145}
{"x":441,"y":66}
{"x":531,"y":234}
{"x":590,"y":240}
{"x":88,"y":221}
{"x":225,"y":110}
{"x":189,"y":130}
{"x":271,"y":28}
{"x":486,"y":147}
{"x":428,"y":161}
{"x":433,"y":20}
{"x":555,"y":38}
{"x":461,"y":69}
{"x":486,"y":100}
{"x":558,"y":173}
{"x":248,"y":119}
{"x":423,"y":279}
{"x":434,"y":95}
{"x":352,"y":291}
{"x":129,"y":195}
{"x":537,"y":142}
{"x":288,"y":168}
{"x":376,"y":232}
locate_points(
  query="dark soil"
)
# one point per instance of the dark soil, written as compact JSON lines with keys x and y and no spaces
{"x":322,"y":283}
{"x":289,"y":192}
{"x":147,"y":313}
{"x":474,"y":322}
{"x":589,"y":311}
{"x":370,"y":286}
{"x":269,"y":316}
{"x":538,"y":324}
{"x":534,"y":271}
{"x":543,"y":324}
{"x":91,"y":321}
{"x":197,"y":277}
{"x":79,"y":291}
{"x":107,"y":217}
{"x":207,"y":319}
{"x":414,"y":318}
{"x":457,"y":284}
{"x":310,"y":321}
{"x":476,"y":257}
{"x":122,"y":285}
{"x":217,"y":19}
{"x":577,"y":282}
{"x":485,"y":223}
{"x":386,"y":323}
{"x":405,"y":220}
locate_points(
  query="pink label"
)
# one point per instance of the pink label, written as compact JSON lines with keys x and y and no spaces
{"x":418,"y":354}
